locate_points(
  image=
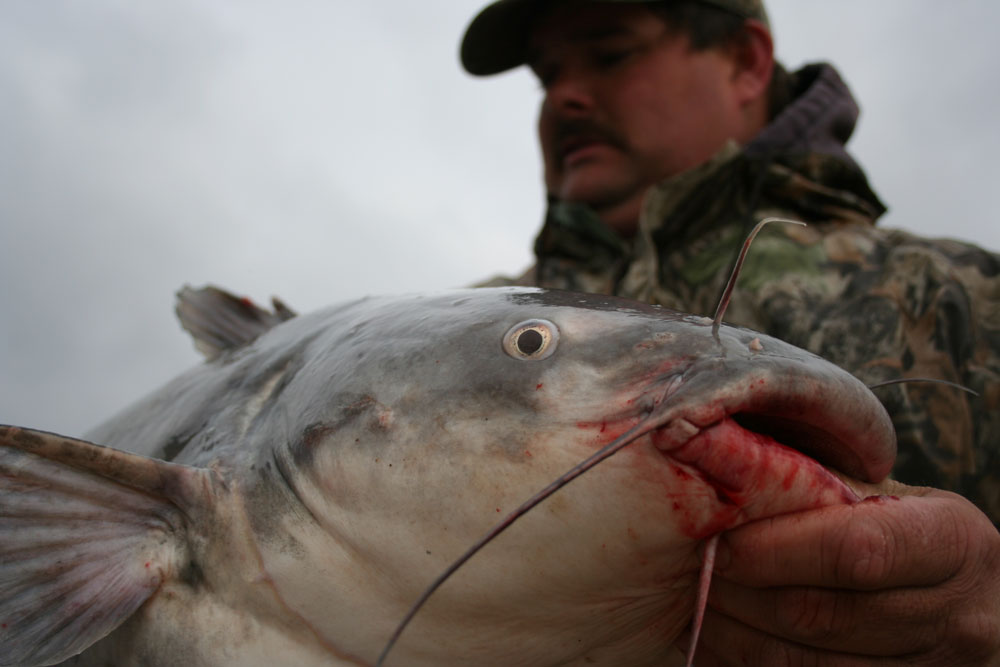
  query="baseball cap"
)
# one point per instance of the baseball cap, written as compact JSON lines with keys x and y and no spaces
{"x":497,"y":38}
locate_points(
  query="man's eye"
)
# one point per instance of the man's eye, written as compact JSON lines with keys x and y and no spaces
{"x":611,"y":57}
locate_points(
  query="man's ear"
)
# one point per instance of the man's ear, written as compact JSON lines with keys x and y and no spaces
{"x":754,"y":60}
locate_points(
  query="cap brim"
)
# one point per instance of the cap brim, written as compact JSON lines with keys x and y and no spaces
{"x":497,"y":39}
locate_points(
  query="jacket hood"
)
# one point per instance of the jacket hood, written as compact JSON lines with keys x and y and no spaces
{"x":820,"y":118}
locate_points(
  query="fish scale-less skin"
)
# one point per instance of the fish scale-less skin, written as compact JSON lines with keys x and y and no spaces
{"x":328,"y":470}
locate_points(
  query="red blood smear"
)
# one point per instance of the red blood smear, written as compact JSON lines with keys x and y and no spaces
{"x":738,"y":475}
{"x":879,"y":499}
{"x":681,"y":472}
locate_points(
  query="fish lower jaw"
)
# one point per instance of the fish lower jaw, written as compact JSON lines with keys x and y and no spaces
{"x":748,"y":475}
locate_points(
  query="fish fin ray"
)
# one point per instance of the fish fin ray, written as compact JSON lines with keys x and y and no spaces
{"x":81,"y":549}
{"x":219,"y":320}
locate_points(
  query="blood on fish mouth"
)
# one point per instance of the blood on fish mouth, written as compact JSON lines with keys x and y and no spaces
{"x":737,"y":463}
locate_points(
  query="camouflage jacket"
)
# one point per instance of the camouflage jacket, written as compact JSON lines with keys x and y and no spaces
{"x":883,"y":304}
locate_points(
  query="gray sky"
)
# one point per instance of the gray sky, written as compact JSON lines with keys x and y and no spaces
{"x":326,"y":150}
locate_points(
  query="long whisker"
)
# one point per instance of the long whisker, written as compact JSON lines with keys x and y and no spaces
{"x":731,"y":285}
{"x":704,"y":583}
{"x":934,"y":380}
{"x":647,"y":424}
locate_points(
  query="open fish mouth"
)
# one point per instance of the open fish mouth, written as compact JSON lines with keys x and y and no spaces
{"x":822,"y":412}
{"x":749,"y":473}
{"x":721,"y":413}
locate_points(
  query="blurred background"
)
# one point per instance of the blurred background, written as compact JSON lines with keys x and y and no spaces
{"x":324,"y":150}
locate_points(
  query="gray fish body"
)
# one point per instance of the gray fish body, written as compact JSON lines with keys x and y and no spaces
{"x":303,"y":489}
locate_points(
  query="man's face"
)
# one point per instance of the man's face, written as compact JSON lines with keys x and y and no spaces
{"x":627,"y":103}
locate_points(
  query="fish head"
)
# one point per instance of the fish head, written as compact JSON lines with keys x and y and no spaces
{"x":415,"y":425}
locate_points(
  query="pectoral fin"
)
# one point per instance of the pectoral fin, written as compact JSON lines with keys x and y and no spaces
{"x":87,"y":534}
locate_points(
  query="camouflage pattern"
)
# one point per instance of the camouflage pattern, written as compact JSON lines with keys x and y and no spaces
{"x":880,"y":303}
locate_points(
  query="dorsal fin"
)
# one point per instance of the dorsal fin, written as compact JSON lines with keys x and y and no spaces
{"x":219,"y":320}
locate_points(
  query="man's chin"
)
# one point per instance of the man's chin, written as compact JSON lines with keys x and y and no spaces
{"x":594,"y":188}
{"x":619,"y":209}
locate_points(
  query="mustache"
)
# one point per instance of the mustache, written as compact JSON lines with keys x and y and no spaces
{"x":571,"y":132}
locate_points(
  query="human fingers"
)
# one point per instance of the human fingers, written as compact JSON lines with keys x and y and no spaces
{"x":886,"y":623}
{"x":878,"y":543}
{"x":916,"y":576}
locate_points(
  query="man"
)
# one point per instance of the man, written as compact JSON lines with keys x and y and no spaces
{"x":667,"y":130}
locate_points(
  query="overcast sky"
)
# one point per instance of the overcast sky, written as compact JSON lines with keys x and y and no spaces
{"x":326,"y":150}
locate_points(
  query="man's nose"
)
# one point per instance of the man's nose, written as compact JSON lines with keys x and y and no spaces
{"x":568,"y":93}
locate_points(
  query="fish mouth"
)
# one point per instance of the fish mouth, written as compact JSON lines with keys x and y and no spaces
{"x":758,"y":410}
{"x":720,"y":450}
{"x":808,"y":439}
{"x":819,"y":410}
{"x":724,"y":474}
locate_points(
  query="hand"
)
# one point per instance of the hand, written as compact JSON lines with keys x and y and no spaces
{"x":909,"y":579}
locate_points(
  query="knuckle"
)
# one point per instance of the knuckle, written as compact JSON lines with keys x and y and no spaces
{"x":973,"y":636}
{"x":970,"y":631}
{"x":865,"y":555}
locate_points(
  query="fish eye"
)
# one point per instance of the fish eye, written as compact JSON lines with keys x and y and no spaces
{"x":531,"y":340}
